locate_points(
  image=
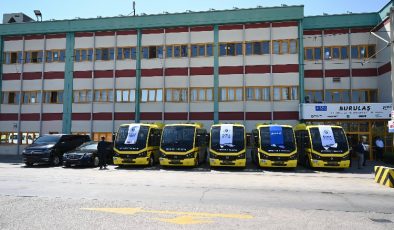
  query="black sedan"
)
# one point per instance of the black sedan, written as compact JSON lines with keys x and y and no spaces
{"x":86,"y":155}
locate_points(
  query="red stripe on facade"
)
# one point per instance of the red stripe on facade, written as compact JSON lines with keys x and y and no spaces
{"x":203,"y":116}
{"x":84,"y":34}
{"x":125,"y":73}
{"x":102,"y":116}
{"x":151,"y":72}
{"x":8,"y":116}
{"x":176,"y":72}
{"x":231,"y":115}
{"x":54,"y":75}
{"x":257,"y":25}
{"x":13,"y":38}
{"x":82,"y":74}
{"x":153,"y":31}
{"x":256,"y":116}
{"x":284,"y":24}
{"x":52,"y":36}
{"x":290,"y":68}
{"x":201,"y":71}
{"x":231,"y":27}
{"x":371,"y":72}
{"x":315,"y":73}
{"x":360,"y":30}
{"x":384,"y":68}
{"x":177,"y":30}
{"x":126,"y":32}
{"x":312,"y":32}
{"x":103,"y":74}
{"x":30,"y":117}
{"x":286,"y":115}
{"x":52,"y":116}
{"x":175,"y":116}
{"x":336,"y":31}
{"x":105,"y":33}
{"x":31,"y":75}
{"x":34,"y":36}
{"x":231,"y":70}
{"x":201,"y":28}
{"x":80,"y":116}
{"x":125,"y":116}
{"x":257,"y":69}
{"x":337,"y":73}
{"x":11,"y":76}
{"x":150,"y":116}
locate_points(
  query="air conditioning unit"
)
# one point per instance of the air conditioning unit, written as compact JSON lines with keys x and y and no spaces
{"x":336,"y":79}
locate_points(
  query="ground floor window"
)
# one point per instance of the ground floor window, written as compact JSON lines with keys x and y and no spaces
{"x":27,"y":138}
{"x":107,"y":135}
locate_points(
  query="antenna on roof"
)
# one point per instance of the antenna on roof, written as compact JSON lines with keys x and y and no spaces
{"x":133,"y":8}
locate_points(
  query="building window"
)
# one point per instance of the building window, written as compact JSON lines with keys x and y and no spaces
{"x":104,"y":54}
{"x":125,"y":95}
{"x":107,"y":135}
{"x":201,"y":94}
{"x":12,"y":138}
{"x":288,"y":46}
{"x":10,"y":97}
{"x":126,"y":53}
{"x":365,"y":96}
{"x":258,"y":93}
{"x":230,"y":49}
{"x":176,"y":95}
{"x":257,"y":48}
{"x":82,"y":96}
{"x":231,"y":94}
{"x":81,"y":55}
{"x":201,"y":50}
{"x":177,"y":51}
{"x":363,"y":51}
{"x":103,"y":95}
{"x":55,"y":55}
{"x":53,"y":97}
{"x":314,"y":96}
{"x":12,"y":57}
{"x":33,"y":56}
{"x":285,"y":93}
{"x":150,"y":52}
{"x":151,"y":95}
{"x":32,"y":97}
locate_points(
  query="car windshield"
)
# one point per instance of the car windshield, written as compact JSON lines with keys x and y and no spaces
{"x":178,"y":137}
{"x":339,"y":143}
{"x":140,"y":142}
{"x":238,"y":141}
{"x":88,"y":146}
{"x":47,"y":140}
{"x":283,"y":143}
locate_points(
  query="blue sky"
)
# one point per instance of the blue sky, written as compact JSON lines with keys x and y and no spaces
{"x":71,"y":9}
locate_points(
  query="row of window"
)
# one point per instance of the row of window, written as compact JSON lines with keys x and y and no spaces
{"x":340,"y":52}
{"x":27,"y":138}
{"x":156,"y":95}
{"x":32,"y":97}
{"x":342,"y":96}
{"x":37,"y":56}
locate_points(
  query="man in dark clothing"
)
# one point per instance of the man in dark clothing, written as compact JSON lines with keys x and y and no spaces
{"x":102,"y":152}
{"x":361,"y":151}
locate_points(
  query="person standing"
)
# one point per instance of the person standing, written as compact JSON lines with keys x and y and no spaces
{"x":361,"y":150}
{"x":102,"y":152}
{"x":379,"y":148}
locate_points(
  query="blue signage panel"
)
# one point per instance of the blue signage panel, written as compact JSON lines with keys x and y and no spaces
{"x":276,"y":134}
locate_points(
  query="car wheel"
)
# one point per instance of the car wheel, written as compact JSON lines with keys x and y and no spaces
{"x":96,"y":161}
{"x":67,"y":165}
{"x":55,"y":160}
{"x":28,"y":164}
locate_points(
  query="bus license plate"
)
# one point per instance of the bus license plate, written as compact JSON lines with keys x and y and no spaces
{"x":175,"y":162}
{"x":332,"y":163}
{"x":227,"y":163}
{"x":278,"y":163}
{"x":128,"y":161}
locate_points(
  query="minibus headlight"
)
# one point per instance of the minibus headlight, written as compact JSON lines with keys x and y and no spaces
{"x":190,"y":155}
{"x":241,"y":156}
{"x":212,"y":155}
{"x":315,"y":156}
{"x":346,"y":157}
{"x":143,"y":154}
{"x":294,"y":156}
{"x":162,"y":154}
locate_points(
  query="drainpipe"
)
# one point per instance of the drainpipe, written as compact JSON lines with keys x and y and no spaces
{"x":42,"y":83}
{"x":20,"y":96}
